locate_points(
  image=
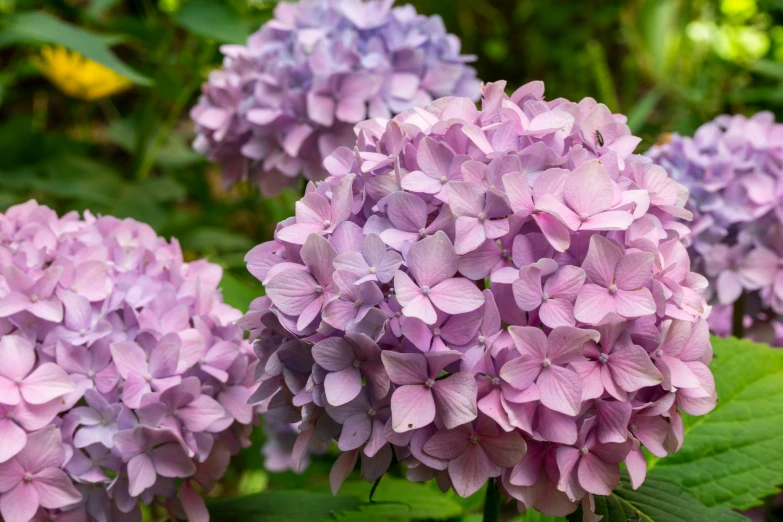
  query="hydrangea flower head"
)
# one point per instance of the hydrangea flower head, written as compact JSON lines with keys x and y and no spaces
{"x":286,"y":100}
{"x":123,"y":378}
{"x":486,"y":293}
{"x":731,"y":167}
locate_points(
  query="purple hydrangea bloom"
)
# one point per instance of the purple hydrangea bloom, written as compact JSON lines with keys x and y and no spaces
{"x":291,"y":96}
{"x":123,"y":377}
{"x":731,"y":168}
{"x":541,"y":301}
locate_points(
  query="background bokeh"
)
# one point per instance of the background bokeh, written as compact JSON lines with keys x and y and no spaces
{"x":668,"y":64}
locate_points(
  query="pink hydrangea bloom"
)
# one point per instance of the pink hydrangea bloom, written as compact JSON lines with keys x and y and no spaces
{"x":122,"y":375}
{"x":541,"y":324}
{"x":730,"y":166}
{"x":290,"y":97}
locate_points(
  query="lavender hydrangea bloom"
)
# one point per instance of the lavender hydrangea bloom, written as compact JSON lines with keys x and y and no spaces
{"x":122,"y":375}
{"x":291,"y":96}
{"x":731,"y":168}
{"x":542,"y":323}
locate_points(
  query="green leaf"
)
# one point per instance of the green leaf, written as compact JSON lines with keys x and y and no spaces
{"x":40,"y":27}
{"x":399,"y":499}
{"x":164,"y":189}
{"x":216,"y":238}
{"x":175,"y":152}
{"x":213,"y":19}
{"x":658,"y":501}
{"x":238,"y":293}
{"x":280,"y":506}
{"x":639,"y":113}
{"x":532,"y":515}
{"x":733,"y":456}
{"x":768,"y":68}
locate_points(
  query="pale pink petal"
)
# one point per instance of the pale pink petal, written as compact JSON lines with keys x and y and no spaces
{"x":292,"y":291}
{"x":455,"y":398}
{"x":593,"y":303}
{"x":554,"y":231}
{"x":141,"y":474}
{"x":342,"y":386}
{"x":412,"y":407}
{"x":418,"y":181}
{"x":560,"y":390}
{"x":602,"y":258}
{"x":521,"y":372}
{"x":634,"y":271}
{"x":47,"y":382}
{"x":13,"y":437}
{"x":18,"y":357}
{"x":55,"y":489}
{"x":432,"y":260}
{"x":342,"y":468}
{"x":566,"y":343}
{"x":596,"y":476}
{"x":470,"y":471}
{"x":333,"y":354}
{"x":405,"y":368}
{"x":19,"y":504}
{"x":613,"y":418}
{"x":555,"y":426}
{"x":589,"y":189}
{"x":355,"y":432}
{"x":637,"y":468}
{"x":557,"y":312}
{"x":609,"y":220}
{"x":448,"y":444}
{"x":527,"y":288}
{"x":632,"y":369}
{"x":456,"y":296}
{"x":469,"y":235}
{"x":634,"y":303}
{"x":531,"y":342}
{"x":506,"y":449}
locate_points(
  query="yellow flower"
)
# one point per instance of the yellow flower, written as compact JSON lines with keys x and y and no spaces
{"x":77,"y":76}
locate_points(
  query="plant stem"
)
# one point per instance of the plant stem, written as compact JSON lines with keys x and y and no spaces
{"x":737,"y":321}
{"x":492,"y":502}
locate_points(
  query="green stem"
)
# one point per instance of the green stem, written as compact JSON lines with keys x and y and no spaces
{"x":738,"y":318}
{"x":492,"y":502}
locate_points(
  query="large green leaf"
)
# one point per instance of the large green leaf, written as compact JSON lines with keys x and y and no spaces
{"x":733,"y":457}
{"x":280,"y":506}
{"x":399,"y":499}
{"x":237,"y":293}
{"x":394,"y":500}
{"x":40,"y":27}
{"x":658,"y":501}
{"x":213,"y":19}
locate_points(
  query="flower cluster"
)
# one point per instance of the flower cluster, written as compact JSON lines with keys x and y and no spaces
{"x":284,"y":102}
{"x":122,"y":375}
{"x":486,"y":293}
{"x":732,"y":168}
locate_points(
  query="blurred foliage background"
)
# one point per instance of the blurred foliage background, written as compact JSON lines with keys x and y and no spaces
{"x":124,"y":149}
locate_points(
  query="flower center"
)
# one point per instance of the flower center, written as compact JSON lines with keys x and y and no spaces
{"x":319,"y":289}
{"x":583,"y":216}
{"x":603,"y":358}
{"x":482,"y":216}
{"x":28,"y":477}
{"x":425,"y":290}
{"x":584,"y":450}
{"x":436,"y":332}
{"x":90,"y":374}
{"x":632,"y":427}
{"x":327,"y":223}
{"x":492,"y":187}
{"x":33,"y":298}
{"x":474,"y":439}
{"x":495,"y":381}
{"x":372,"y":270}
{"x":505,"y":253}
{"x":659,"y":353}
{"x":546,"y":363}
{"x":545,"y":297}
{"x":482,"y":340}
{"x":443,"y":180}
{"x":358,"y":303}
{"x":613,"y":289}
{"x":371,"y":412}
{"x":423,"y":232}
{"x":429,"y":383}
{"x":148,"y":377}
{"x":397,"y":314}
{"x":356,"y":363}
